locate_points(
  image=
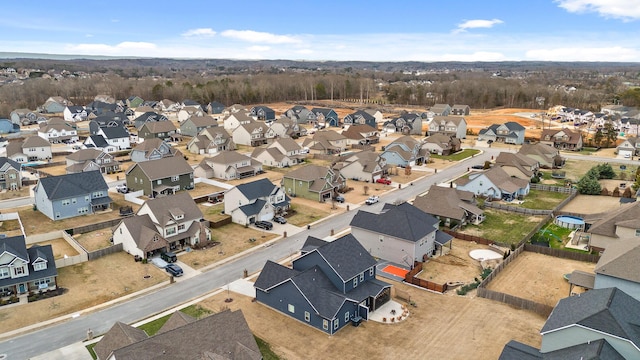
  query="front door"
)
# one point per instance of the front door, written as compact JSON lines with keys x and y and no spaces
{"x":22,"y":289}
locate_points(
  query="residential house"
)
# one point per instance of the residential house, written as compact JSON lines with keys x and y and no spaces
{"x":629,"y":147}
{"x":326,"y":142}
{"x":162,"y":224}
{"x":190,"y":111}
{"x":224,"y":335}
{"x":509,"y":133}
{"x":189,"y":102}
{"x":98,"y":142}
{"x":153,"y":149}
{"x":149,"y":116}
{"x":441,"y":144}
{"x":134,"y":101}
{"x":598,"y":324}
{"x":607,"y":228}
{"x":361,"y":134}
{"x":228,"y":165}
{"x":108,"y":120}
{"x":263,"y":113}
{"x":451,"y":206}
{"x":214,"y":108}
{"x":58,"y":132}
{"x":363,"y":166}
{"x":66,"y":196}
{"x":116,"y":136}
{"x":166,"y":105}
{"x":235,"y":108}
{"x":55,"y":105}
{"x":313,"y":182}
{"x":164,"y":130}
{"x":448,"y":125}
{"x":251,"y":134}
{"x":517,"y":165}
{"x":10,"y":175}
{"x":547,"y":156}
{"x":440,"y":110}
{"x":23,"y":117}
{"x":7,"y":127}
{"x":195,"y":124}
{"x":163,"y":176}
{"x":236,"y":119}
{"x":75,"y":113}
{"x":326,"y":117}
{"x":331,"y":285}
{"x":211,"y":141}
{"x":377,"y":114}
{"x":564,"y":139}
{"x":91,"y":160}
{"x":494,"y":184}
{"x":259,"y":200}
{"x":401,"y":234}
{"x":360,"y":117}
{"x":460,"y":110}
{"x":404,"y":151}
{"x":283,"y":152}
{"x":301,"y":115}
{"x":25,"y":269}
{"x":613,"y":267}
{"x":285,"y":127}
{"x":406,"y":124}
{"x":33,"y":148}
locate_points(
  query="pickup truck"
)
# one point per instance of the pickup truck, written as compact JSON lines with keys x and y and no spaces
{"x":372,"y":200}
{"x":383,"y":181}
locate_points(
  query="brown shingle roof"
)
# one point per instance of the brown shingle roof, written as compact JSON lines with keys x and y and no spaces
{"x":163,"y":168}
{"x":620,"y":259}
{"x":606,"y":223}
{"x":164,"y":208}
{"x":177,"y":319}
{"x":155,"y":127}
{"x":118,"y":336}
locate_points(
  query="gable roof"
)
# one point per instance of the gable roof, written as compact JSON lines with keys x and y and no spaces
{"x":176,"y":320}
{"x":403,"y":221}
{"x":226,"y":158}
{"x":144,"y":232}
{"x":163,"y":168}
{"x":15,"y":245}
{"x":99,"y":141}
{"x":619,"y":258}
{"x":519,"y":161}
{"x":308,"y":173}
{"x":257,"y":189}
{"x":606,"y":223}
{"x":35,"y":141}
{"x":355,"y":131}
{"x":609,"y":310}
{"x":118,"y":336}
{"x":5,"y":160}
{"x":164,"y":208}
{"x":288,"y":144}
{"x":155,"y":127}
{"x":84,"y":155}
{"x":273,"y":274}
{"x":346,"y":256}
{"x":446,"y":202}
{"x":115,"y":132}
{"x":69,"y":185}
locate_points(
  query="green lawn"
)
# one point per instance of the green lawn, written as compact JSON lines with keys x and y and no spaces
{"x":460,"y":155}
{"x":504,"y":227}
{"x":265,"y":350}
{"x":543,"y":200}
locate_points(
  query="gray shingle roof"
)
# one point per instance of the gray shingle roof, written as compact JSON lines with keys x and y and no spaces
{"x":257,"y":189}
{"x":619,"y":259}
{"x":273,"y":274}
{"x":515,"y":350}
{"x":253,"y":208}
{"x":403,"y":221}
{"x":99,"y":141}
{"x":115,"y":132}
{"x":347,"y":256}
{"x":69,"y":185}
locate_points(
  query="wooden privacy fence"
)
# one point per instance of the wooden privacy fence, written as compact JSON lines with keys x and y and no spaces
{"x":467,"y":237}
{"x":553,"y":188}
{"x":516,"y":209}
{"x":564,"y":254}
{"x":411,"y":278}
{"x":93,"y":227}
{"x":501,"y":266}
{"x":518,"y":302}
{"x":105,"y":251}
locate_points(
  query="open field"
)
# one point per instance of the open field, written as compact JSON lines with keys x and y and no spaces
{"x":88,"y":284}
{"x":440,"y":327}
{"x":455,"y":265}
{"x":538,"y":277}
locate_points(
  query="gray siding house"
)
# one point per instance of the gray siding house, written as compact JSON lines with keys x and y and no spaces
{"x":23,"y":270}
{"x":70,"y":195}
{"x":331,"y":285}
{"x":163,"y":176}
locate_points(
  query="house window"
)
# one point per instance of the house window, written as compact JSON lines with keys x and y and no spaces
{"x":325,"y":324}
{"x":336,"y":323}
{"x":371,"y":271}
{"x":39,"y":266}
{"x":66,"y":202}
{"x":175,"y":178}
{"x":57,"y":215}
{"x":4,"y":272}
{"x":171,"y":231}
{"x":12,"y":176}
{"x":19,"y":270}
{"x":381,"y":238}
{"x":74,"y":200}
{"x":637,"y":232}
{"x":87,"y":198}
{"x":180,"y":227}
{"x":83,"y":210}
{"x":307,"y":316}
{"x":346,"y":316}
{"x":44,"y":281}
{"x":362,"y":277}
{"x":159,"y":181}
{"x":355,"y":281}
{"x":291,"y":308}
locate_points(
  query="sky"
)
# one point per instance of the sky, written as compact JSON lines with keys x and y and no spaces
{"x":374,"y":30}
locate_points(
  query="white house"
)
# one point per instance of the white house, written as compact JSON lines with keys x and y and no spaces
{"x":255,"y":201}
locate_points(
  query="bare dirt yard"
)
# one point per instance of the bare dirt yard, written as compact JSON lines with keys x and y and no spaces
{"x":591,"y":204}
{"x":479,"y":119}
{"x":455,"y":265}
{"x":60,"y":247}
{"x":89,"y":284}
{"x":94,"y":240}
{"x":538,"y":277}
{"x":440,"y":327}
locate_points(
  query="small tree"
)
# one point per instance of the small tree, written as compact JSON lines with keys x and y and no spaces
{"x":605,"y":171}
{"x":487,"y":164}
{"x":365,"y":189}
{"x":616,"y":192}
{"x":588,"y":185}
{"x":627,"y":193}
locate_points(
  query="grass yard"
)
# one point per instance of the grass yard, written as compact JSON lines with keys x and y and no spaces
{"x":460,"y":155}
{"x":303,"y":214}
{"x":201,"y":189}
{"x":543,"y":200}
{"x":504,"y":227}
{"x":94,"y":240}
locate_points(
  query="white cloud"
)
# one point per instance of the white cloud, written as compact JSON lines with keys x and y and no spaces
{"x":201,"y":32}
{"x":614,"y":53}
{"x":259,"y":48}
{"x":259,"y":37}
{"x":474,"y":24}
{"x":618,"y":9}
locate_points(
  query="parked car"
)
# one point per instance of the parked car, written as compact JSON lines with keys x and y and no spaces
{"x":478,"y":167}
{"x":168,"y":256}
{"x":384,"y":181}
{"x":372,"y":200}
{"x":339,"y":198}
{"x":174,"y":270}
{"x":280,"y":220}
{"x":265,"y":225}
{"x":122,"y":188}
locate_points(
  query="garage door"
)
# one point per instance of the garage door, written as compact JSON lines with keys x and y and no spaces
{"x":266,"y":217}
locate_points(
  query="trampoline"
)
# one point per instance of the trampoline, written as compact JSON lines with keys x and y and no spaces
{"x":484,"y":254}
{"x":569,"y":222}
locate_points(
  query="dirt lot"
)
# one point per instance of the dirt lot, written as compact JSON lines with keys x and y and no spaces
{"x":12,"y":194}
{"x":94,"y":240}
{"x":538,"y":277}
{"x":89,"y":285}
{"x":456,"y":265}
{"x":440,"y":327}
{"x":591,"y":204}
{"x":479,"y":119}
{"x":60,"y":247}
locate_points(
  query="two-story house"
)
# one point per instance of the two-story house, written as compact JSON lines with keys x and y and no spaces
{"x":548,"y":157}
{"x":517,"y":165}
{"x":402,"y":234}
{"x":258,"y":200}
{"x":360,"y":117}
{"x":263,"y":113}
{"x":460,"y":110}
{"x":283,"y":152}
{"x":164,"y":130}
{"x":326,"y":117}
{"x":90,"y":160}
{"x":211,"y":141}
{"x":25,"y":269}
{"x":326,"y":142}
{"x":149,"y":116}
{"x":362,"y":166}
{"x":251,"y":134}
{"x":163,"y":176}
{"x":564,"y":139}
{"x":285,"y":127}
{"x":448,"y":125}
{"x":58,"y":132}
{"x":509,"y":133}
{"x":451,"y":206}
{"x":612,"y":226}
{"x":162,"y":224}
{"x":75,"y":113}
{"x":228,"y":165}
{"x":361,"y":134}
{"x":33,"y":148}
{"x":10,"y":175}
{"x":153,"y":149}
{"x":440,"y":109}
{"x":406,"y":124}
{"x":441,"y":144}
{"x":65,"y":196}
{"x":405,"y":151}
{"x":116,"y":136}
{"x":629,"y":147}
{"x":195,"y":124}
{"x":301,"y":115}
{"x":313,"y":182}
{"x":236,"y":119}
{"x":331,"y":285}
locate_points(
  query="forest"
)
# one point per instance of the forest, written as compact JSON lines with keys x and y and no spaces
{"x":480,"y":85}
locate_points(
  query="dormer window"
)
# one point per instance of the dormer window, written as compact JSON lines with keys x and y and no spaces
{"x":41,"y":265}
